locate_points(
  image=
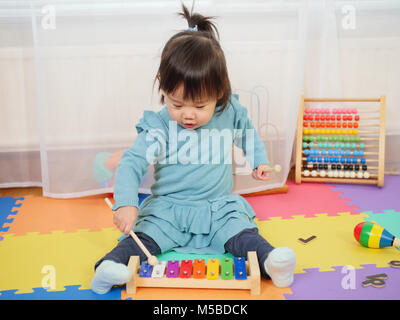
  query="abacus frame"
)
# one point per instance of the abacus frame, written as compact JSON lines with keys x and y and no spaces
{"x":252,"y":283}
{"x":379,"y":180}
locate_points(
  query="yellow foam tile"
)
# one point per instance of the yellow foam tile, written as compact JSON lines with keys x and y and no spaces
{"x":342,"y":214}
{"x":271,"y":219}
{"x":334,"y":245}
{"x":320,"y":215}
{"x":70,"y":255}
{"x":298,"y":216}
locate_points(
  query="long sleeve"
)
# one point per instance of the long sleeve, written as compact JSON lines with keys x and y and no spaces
{"x":134,"y":163}
{"x":247,"y":138}
{"x":131,"y":168}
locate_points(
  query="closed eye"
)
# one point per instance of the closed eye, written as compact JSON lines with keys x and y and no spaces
{"x":200,"y":107}
{"x":177,"y":106}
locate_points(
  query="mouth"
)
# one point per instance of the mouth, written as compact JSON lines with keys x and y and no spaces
{"x":189,"y":125}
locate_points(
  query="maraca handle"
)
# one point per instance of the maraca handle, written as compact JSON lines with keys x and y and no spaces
{"x":275,"y":168}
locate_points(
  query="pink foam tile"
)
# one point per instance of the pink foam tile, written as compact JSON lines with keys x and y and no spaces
{"x":302,"y":199}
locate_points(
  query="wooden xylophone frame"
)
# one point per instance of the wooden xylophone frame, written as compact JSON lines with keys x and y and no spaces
{"x":378,"y":178}
{"x":252,"y":282}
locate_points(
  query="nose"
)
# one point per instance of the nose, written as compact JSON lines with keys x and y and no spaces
{"x":188,"y":115}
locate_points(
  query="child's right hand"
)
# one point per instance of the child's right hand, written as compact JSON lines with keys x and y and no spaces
{"x":124,"y":218}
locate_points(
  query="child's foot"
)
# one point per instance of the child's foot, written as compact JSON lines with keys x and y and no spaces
{"x":280,"y":265}
{"x":108,"y":274}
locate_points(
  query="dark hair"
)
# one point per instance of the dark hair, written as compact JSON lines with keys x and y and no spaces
{"x":196,"y":60}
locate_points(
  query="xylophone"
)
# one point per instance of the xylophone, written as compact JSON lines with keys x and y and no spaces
{"x":344,"y":145}
{"x":225,"y":273}
{"x":372,"y":235}
{"x":218,"y":273}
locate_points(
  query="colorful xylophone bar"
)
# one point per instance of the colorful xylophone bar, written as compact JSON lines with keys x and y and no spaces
{"x":198,"y":267}
{"x":216,"y":273}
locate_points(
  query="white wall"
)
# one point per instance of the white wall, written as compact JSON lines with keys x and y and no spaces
{"x":95,"y":72}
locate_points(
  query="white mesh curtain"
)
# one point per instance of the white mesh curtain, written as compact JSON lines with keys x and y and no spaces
{"x":353,"y":50}
{"x":75,"y":77}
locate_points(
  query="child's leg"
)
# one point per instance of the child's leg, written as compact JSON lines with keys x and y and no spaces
{"x":275,"y":263}
{"x":250,"y":240}
{"x":128,"y":247}
{"x":112,"y":268}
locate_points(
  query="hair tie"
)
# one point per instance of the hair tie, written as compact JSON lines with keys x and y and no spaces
{"x":193,"y":29}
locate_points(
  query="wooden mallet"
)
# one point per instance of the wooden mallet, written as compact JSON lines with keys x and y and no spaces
{"x":150,"y":258}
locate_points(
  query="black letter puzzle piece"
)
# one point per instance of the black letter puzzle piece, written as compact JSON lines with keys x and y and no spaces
{"x":377,"y":281}
{"x":394,"y":263}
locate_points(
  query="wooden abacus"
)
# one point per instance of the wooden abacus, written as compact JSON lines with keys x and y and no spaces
{"x":225,"y":273}
{"x":341,"y":144}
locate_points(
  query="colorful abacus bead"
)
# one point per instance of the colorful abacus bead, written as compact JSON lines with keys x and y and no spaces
{"x":314,"y":173}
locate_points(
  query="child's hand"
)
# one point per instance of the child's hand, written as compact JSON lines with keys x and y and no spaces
{"x":262,"y":172}
{"x":124,"y":218}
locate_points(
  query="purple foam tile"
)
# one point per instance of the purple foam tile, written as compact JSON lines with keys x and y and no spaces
{"x":344,"y":284}
{"x":371,"y":197}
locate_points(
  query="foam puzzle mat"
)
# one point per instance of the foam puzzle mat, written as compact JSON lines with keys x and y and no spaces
{"x":48,"y":247}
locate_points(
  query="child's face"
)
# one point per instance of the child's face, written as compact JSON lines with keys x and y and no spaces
{"x":189,"y":114}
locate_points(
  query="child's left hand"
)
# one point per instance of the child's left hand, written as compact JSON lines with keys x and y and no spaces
{"x":262,"y":172}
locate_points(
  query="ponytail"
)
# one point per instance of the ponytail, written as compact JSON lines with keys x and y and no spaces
{"x":194,"y":58}
{"x":200,"y":22}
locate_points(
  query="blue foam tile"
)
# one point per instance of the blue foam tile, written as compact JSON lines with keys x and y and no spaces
{"x":70,"y":293}
{"x":7,"y":204}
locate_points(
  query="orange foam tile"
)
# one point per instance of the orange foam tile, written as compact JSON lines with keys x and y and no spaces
{"x":44,"y":215}
{"x":268,"y":292}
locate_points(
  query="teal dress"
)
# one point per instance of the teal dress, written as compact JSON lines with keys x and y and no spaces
{"x":192,"y":208}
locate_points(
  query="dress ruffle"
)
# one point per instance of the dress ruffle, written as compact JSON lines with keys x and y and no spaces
{"x":150,"y":120}
{"x":194,"y":226}
{"x":153,"y":124}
